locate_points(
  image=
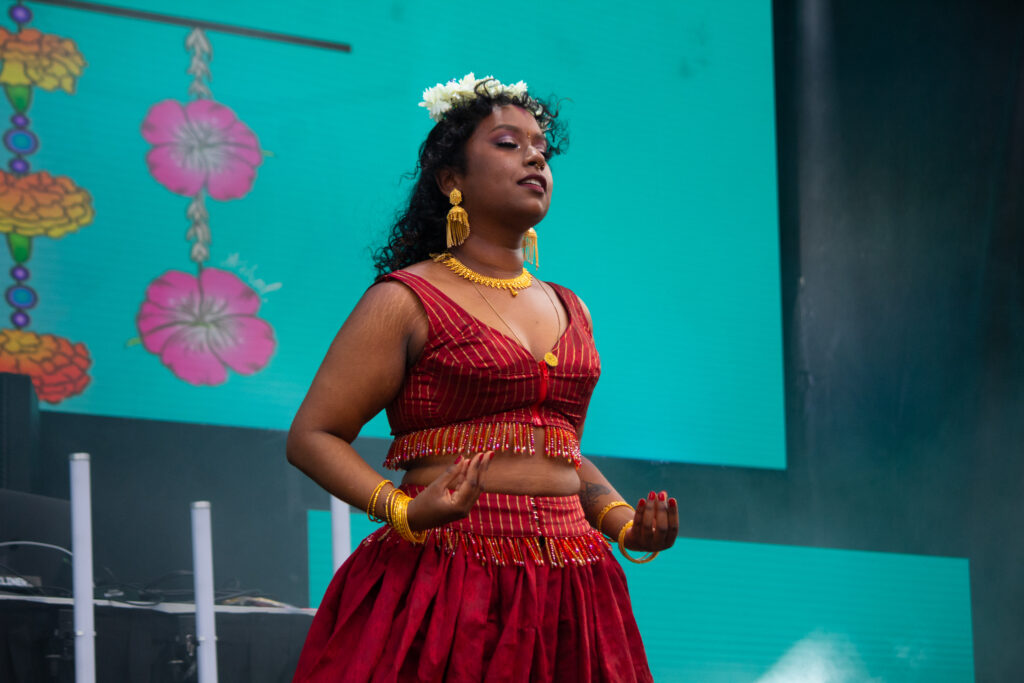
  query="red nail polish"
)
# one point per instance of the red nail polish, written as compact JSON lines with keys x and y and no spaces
{"x":661,"y":496}
{"x":650,"y":496}
{"x":457,"y":459}
{"x":641,"y":503}
{"x":671,"y":502}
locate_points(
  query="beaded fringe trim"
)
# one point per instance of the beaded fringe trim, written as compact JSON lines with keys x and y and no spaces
{"x":510,"y":550}
{"x":467,"y":438}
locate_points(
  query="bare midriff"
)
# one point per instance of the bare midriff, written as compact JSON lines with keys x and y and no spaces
{"x":508,"y":472}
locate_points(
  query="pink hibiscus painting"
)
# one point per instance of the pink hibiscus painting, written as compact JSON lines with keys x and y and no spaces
{"x":201,"y":326}
{"x":201,"y":145}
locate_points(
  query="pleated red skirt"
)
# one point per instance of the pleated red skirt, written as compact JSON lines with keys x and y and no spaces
{"x":521,"y":590}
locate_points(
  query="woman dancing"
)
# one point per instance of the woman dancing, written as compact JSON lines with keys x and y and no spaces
{"x":493,"y":564}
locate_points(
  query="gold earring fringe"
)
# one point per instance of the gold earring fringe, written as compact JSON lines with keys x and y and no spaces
{"x":530,"y":253}
{"x":458,"y":221}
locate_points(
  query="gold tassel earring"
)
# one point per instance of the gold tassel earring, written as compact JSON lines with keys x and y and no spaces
{"x":458,"y":221}
{"x":530,"y":248}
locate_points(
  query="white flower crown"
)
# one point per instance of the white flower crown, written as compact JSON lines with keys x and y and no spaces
{"x":439,"y":99}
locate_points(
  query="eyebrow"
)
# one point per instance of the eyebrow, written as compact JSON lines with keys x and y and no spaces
{"x":519,"y":130}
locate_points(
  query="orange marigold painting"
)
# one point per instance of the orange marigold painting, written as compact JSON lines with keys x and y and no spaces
{"x":58,"y":368}
{"x":42,"y":204}
{"x":43,"y":60}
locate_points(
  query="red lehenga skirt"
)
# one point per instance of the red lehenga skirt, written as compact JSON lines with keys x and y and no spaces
{"x":521,"y":590}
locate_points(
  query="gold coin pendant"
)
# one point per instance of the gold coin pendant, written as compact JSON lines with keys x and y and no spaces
{"x":551,"y":359}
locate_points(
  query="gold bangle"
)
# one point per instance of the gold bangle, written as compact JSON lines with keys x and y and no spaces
{"x":412,"y":536}
{"x":398,"y":518}
{"x":387,"y":504}
{"x":622,"y":546}
{"x":608,"y":508}
{"x":371,"y":509}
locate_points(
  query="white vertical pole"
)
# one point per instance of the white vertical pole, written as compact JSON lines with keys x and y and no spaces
{"x":81,"y":569}
{"x":341,"y":532}
{"x":202,"y":572}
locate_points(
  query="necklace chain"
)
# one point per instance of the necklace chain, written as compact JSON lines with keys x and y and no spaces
{"x":550,"y":358}
{"x":513,"y":284}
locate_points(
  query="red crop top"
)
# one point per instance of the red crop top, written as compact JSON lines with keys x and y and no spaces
{"x":474,"y":388}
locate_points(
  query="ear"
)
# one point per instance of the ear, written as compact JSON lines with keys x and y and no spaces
{"x":447,"y":180}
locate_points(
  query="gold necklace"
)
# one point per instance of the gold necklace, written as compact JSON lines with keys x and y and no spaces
{"x":550,"y":358}
{"x":512,"y":284}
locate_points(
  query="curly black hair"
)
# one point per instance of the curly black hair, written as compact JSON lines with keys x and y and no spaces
{"x":419,"y":229}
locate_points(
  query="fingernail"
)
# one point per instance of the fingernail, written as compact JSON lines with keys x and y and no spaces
{"x":661,"y":496}
{"x":671,"y":502}
{"x":641,"y":503}
{"x":457,"y":459}
{"x":650,"y":496}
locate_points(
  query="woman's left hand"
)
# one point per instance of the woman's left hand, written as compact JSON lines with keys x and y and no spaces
{"x":655,"y":524}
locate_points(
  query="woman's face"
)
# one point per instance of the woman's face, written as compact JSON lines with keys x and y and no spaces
{"x":507,"y":178}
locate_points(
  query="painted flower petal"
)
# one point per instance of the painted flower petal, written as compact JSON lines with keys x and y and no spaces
{"x":211,"y":113}
{"x":175,"y":291}
{"x":156,"y":325}
{"x":233,"y":296}
{"x":232,"y":180}
{"x":253,"y":345}
{"x":241,"y":134}
{"x":243,"y":143}
{"x":188,"y":356}
{"x":162,"y":122}
{"x":169,"y":170}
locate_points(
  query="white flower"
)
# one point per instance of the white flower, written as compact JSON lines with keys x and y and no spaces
{"x":439,"y":99}
{"x":467,"y":86}
{"x":516,"y":89}
{"x":492,"y":86}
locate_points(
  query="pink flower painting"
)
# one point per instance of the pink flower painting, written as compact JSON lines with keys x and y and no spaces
{"x":200,"y":326}
{"x":201,"y":145}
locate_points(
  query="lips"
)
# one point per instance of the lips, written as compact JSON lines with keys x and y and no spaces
{"x":535,"y":181}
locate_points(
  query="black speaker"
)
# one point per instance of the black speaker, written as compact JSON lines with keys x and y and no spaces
{"x":35,"y":544}
{"x":19,"y":432}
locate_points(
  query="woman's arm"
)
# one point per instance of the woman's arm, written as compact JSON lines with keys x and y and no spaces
{"x":360,"y":375}
{"x":655,"y":521}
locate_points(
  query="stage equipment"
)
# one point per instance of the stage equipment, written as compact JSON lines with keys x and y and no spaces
{"x":19,"y":433}
{"x":341,"y":532}
{"x":81,"y":562}
{"x":202,"y":571}
{"x":35,"y":544}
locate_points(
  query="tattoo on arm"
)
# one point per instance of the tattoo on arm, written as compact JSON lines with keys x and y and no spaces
{"x":590,"y":492}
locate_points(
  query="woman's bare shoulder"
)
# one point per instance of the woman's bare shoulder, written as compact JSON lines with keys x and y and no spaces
{"x":428,"y":270}
{"x":389,"y":301}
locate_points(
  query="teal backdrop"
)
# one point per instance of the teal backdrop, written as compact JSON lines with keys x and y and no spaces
{"x":664,"y":216}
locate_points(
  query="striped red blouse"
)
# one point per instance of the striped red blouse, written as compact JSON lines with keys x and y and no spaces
{"x":474,"y":388}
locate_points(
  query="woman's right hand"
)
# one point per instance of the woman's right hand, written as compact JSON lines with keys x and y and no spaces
{"x":452,"y":495}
